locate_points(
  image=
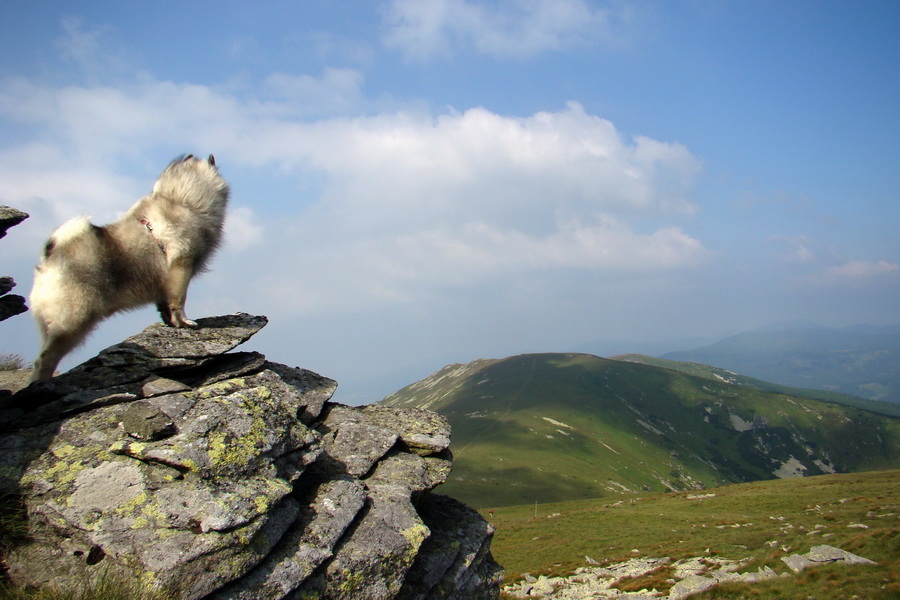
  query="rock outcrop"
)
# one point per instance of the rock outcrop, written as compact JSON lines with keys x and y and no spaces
{"x":10,"y":304}
{"x":221,"y":475}
{"x":689,"y":576}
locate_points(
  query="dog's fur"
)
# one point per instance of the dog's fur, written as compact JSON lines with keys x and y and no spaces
{"x":87,"y":272}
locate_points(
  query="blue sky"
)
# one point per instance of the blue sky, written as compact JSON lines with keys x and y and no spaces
{"x":421,"y":182}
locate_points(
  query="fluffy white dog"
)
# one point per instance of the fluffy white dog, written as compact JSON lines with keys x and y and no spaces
{"x":87,"y":272}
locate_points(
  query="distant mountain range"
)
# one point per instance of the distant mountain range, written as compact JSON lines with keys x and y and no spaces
{"x":556,"y":427}
{"x":861,"y":361}
{"x":716,"y":374}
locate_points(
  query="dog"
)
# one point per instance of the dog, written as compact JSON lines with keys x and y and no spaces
{"x":87,"y":273}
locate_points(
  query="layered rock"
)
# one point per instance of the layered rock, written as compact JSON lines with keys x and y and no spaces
{"x":10,"y":304}
{"x":221,"y":475}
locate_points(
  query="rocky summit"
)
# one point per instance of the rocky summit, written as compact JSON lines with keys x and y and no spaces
{"x":215,"y":474}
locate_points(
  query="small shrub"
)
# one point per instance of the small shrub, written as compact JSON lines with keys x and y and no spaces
{"x":103,"y":586}
{"x":11,"y":362}
{"x":13,"y":521}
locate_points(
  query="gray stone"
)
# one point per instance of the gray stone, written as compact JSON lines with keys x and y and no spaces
{"x":819,"y":555}
{"x":458,"y":539}
{"x":225,"y":476}
{"x":353,"y":442}
{"x":6,"y":284}
{"x":214,"y":336}
{"x":10,"y":304}
{"x":156,"y":386}
{"x":690,"y":585}
{"x":423,"y":431}
{"x":10,"y":217}
{"x":144,"y":421}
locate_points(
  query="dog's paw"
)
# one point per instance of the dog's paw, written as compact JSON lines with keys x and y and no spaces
{"x":185,"y":323}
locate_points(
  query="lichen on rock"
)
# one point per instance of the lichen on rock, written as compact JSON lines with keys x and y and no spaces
{"x":218,"y":474}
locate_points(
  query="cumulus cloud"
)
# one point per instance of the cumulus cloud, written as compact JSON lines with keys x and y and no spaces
{"x":436,"y":28}
{"x":405,"y":204}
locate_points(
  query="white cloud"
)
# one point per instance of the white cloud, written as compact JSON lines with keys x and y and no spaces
{"x":856,"y":271}
{"x":428,"y":28}
{"x":242,"y":228}
{"x":407,"y":204}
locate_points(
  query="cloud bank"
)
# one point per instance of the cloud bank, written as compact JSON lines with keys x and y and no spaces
{"x":404,"y":202}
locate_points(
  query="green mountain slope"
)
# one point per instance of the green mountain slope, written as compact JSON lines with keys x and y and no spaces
{"x":555,"y":427}
{"x":861,"y":363}
{"x":716,"y":374}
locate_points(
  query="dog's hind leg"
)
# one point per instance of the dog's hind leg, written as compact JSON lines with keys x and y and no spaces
{"x":180,"y":273}
{"x":165,"y":313}
{"x":56,"y":344}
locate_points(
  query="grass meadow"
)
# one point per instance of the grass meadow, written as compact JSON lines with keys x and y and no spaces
{"x":760,"y":521}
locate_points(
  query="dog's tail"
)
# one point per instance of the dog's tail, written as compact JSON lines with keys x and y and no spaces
{"x":195,"y":182}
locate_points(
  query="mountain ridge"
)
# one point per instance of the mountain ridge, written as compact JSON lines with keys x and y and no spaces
{"x":715,"y":373}
{"x":552,"y":427}
{"x":861,"y":361}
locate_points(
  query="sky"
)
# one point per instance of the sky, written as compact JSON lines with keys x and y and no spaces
{"x":417,"y":183}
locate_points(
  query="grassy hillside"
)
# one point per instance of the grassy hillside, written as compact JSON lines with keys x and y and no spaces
{"x":860,"y":363}
{"x":555,"y":427}
{"x":716,"y":374}
{"x":760,"y":521}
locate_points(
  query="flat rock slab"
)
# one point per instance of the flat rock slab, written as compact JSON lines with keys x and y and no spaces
{"x":819,"y":555}
{"x":214,"y":335}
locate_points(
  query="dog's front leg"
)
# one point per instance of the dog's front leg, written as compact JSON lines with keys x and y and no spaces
{"x":180,"y":273}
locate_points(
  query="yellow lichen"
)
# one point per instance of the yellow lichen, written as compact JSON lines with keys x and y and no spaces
{"x":140,"y":523}
{"x":243,"y":536}
{"x":63,"y":451}
{"x":416,"y":534}
{"x":222,"y":388}
{"x":164,"y":533}
{"x":229,"y":450}
{"x":352,"y":581}
{"x":122,"y":447}
{"x":61,"y":472}
{"x":152,"y":510}
{"x":129,"y":506}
